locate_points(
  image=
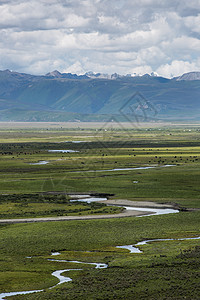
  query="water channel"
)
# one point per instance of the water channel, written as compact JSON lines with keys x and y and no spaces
{"x":131,"y":248}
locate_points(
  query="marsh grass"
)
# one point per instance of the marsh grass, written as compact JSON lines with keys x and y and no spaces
{"x":42,"y":205}
{"x":69,"y":172}
{"x":165,"y":270}
{"x":73,"y":239}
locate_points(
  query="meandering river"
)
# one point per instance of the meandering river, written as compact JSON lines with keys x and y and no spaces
{"x":57,"y":274}
{"x":135,"y":249}
{"x":132,"y":248}
{"x":62,"y":151}
{"x":41,"y":162}
{"x":131,"y":169}
{"x":151,"y":210}
{"x":64,"y":279}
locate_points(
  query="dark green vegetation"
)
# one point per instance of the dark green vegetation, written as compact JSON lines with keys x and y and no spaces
{"x":104,"y":150}
{"x":26,"y":98}
{"x":156,"y":271}
{"x":41,"y":205}
{"x":165,"y":270}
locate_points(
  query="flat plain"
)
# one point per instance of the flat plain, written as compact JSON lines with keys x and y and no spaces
{"x":107,"y":161}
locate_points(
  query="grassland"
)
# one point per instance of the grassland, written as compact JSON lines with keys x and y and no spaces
{"x":43,"y":205}
{"x":74,"y":239}
{"x":165,"y":270}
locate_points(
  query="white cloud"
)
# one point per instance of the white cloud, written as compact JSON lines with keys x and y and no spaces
{"x":193,"y":23}
{"x":141,"y":70}
{"x":101,"y":35}
{"x":75,"y":68}
{"x":177,"y":68}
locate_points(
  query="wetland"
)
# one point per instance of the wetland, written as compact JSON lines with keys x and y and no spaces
{"x":100,"y":164}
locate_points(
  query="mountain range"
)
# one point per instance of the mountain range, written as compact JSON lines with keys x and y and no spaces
{"x":98,"y":97}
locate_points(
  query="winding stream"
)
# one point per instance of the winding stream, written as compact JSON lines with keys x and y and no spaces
{"x":62,"y":151}
{"x":41,"y":162}
{"x":57,"y":274}
{"x":44,"y":162}
{"x":97,"y":265}
{"x":64,"y":279}
{"x":130,"y":169}
{"x":76,"y":142}
{"x":134,"y":249}
{"x":153,"y":211}
{"x":89,"y":199}
{"x":131,"y":248}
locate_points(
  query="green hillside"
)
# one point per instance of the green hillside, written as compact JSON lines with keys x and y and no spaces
{"x":45,"y":98}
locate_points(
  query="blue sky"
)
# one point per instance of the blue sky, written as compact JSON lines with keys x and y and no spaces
{"x":107,"y":36}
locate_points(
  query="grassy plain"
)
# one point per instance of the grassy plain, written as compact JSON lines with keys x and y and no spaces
{"x":75,"y":239}
{"x":44,"y":205}
{"x":165,"y":270}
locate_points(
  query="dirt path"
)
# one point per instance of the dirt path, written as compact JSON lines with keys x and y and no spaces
{"x":69,"y":218}
{"x":125,"y":213}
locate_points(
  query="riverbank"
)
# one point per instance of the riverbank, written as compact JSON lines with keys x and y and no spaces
{"x":126,"y":213}
{"x":147,"y":204}
{"x":132,"y":209}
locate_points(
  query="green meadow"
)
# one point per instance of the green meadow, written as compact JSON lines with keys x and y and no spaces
{"x":164,"y":270}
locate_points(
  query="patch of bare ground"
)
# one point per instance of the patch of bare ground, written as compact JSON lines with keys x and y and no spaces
{"x":125,"y":213}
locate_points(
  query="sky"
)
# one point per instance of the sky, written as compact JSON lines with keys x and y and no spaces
{"x":106,"y":36}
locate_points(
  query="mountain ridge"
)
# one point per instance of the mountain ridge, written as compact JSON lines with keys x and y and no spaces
{"x":65,"y":96}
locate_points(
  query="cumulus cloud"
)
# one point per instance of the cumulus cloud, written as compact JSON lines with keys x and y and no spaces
{"x":177,"y":67}
{"x":124,"y":36}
